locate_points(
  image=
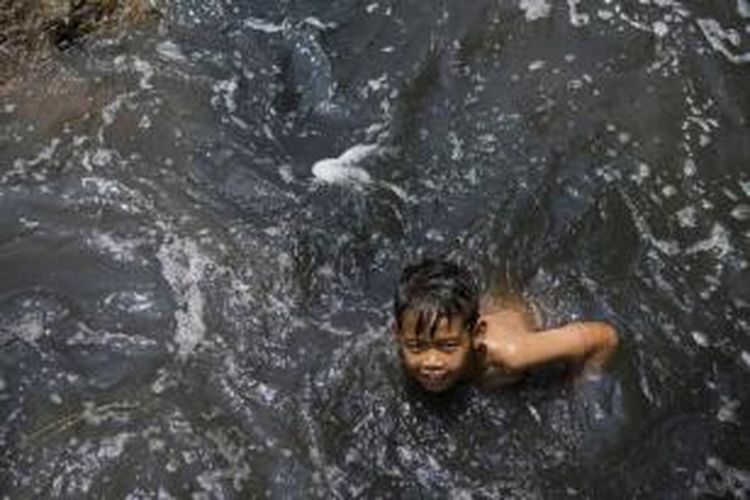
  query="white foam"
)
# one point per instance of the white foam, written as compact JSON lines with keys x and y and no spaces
{"x":131,"y":301}
{"x":286,"y":173}
{"x":700,"y":338}
{"x":745,"y":357}
{"x":689,"y":168}
{"x":317,"y":23}
{"x":741,"y":212}
{"x":668,"y":247}
{"x":535,"y":9}
{"x":184,"y":267}
{"x":718,"y":241}
{"x":44,"y":155}
{"x":377,"y":84}
{"x":728,"y":411}
{"x":536,"y":65}
{"x":163,"y":382}
{"x":534,"y":413}
{"x":687,"y":216}
{"x":171,"y":50}
{"x":86,"y":336}
{"x":109,"y":112}
{"x":457,"y":146}
{"x":113,"y":446}
{"x":119,"y":249}
{"x":28,"y":224}
{"x":146,"y":71}
{"x":30,"y":328}
{"x":164,"y":494}
{"x":262,"y":25}
{"x":145,"y":123}
{"x":722,"y":40}
{"x":111,"y":192}
{"x":643,"y":172}
{"x":743,"y":8}
{"x":225,"y":90}
{"x":577,"y":18}
{"x":660,"y":29}
{"x":267,"y":393}
{"x":345,"y":168}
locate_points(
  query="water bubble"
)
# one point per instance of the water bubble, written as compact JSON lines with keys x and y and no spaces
{"x":577,"y":18}
{"x":741,"y":212}
{"x":689,"y":168}
{"x":745,"y":357}
{"x":171,"y":50}
{"x":660,"y":29}
{"x":535,"y":9}
{"x":700,"y":338}
{"x":643,"y":171}
{"x":687,"y":216}
{"x":536,"y":65}
{"x":728,"y":411}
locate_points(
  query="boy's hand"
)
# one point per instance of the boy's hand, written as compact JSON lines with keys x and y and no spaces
{"x":590,"y":343}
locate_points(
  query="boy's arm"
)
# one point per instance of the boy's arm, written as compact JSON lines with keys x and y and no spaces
{"x":593,"y":343}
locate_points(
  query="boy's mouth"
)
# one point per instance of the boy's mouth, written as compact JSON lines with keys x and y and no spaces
{"x":434,"y":383}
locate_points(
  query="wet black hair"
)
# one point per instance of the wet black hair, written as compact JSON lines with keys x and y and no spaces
{"x":436,"y":289}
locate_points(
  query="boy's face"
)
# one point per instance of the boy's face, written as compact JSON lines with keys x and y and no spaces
{"x":436,"y":362}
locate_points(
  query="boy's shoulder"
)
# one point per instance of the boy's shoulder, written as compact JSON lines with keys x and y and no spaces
{"x":508,"y":314}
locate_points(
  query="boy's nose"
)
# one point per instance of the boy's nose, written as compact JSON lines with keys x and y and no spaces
{"x":433,"y":363}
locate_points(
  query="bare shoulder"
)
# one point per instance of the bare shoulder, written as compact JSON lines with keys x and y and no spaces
{"x":508,"y":314}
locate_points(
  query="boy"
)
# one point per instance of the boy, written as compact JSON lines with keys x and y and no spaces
{"x":445,"y":336}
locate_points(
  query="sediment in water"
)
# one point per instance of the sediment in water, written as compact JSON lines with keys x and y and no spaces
{"x":30,"y":30}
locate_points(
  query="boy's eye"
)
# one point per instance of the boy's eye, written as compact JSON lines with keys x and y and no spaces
{"x":448,"y":346}
{"x":414,"y":346}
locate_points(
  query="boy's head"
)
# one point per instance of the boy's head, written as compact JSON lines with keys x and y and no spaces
{"x":436,"y":308}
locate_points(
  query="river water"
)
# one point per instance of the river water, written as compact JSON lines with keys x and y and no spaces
{"x":201,"y":226}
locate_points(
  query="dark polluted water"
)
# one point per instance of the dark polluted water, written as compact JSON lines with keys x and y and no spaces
{"x":201,"y":226}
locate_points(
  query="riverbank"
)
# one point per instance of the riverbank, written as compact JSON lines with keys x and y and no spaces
{"x":30,"y":31}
